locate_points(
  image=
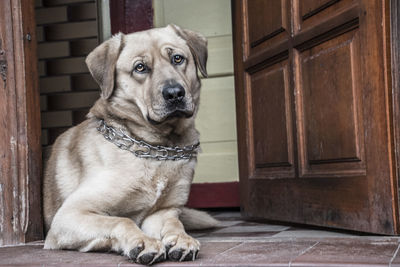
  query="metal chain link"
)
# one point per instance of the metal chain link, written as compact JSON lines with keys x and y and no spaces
{"x":142,"y":149}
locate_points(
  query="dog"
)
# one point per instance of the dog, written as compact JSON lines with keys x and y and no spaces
{"x":119,"y":180}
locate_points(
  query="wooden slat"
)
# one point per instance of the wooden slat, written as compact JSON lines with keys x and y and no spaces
{"x":51,"y":15}
{"x":66,"y":66}
{"x":51,"y":119}
{"x":72,"y":100}
{"x":44,"y":137}
{"x":43,"y":103}
{"x":55,"y":84}
{"x":79,"y":115}
{"x":83,"y":82}
{"x":46,"y":150}
{"x":82,"y":12}
{"x":53,"y":50}
{"x":53,"y":133}
{"x":71,"y":30}
{"x":40,"y":34}
{"x":83,"y":47}
{"x":38,"y":3}
{"x":61,"y":120}
{"x":41,"y":68}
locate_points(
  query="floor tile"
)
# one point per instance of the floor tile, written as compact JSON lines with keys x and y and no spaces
{"x":311,"y":234}
{"x":395,"y":262}
{"x":262,"y":253}
{"x":222,"y":216}
{"x":34,"y":255}
{"x":252,"y":229}
{"x":244,"y":223}
{"x":244,"y":235}
{"x":240,"y":243}
{"x":345,"y":252}
{"x":229,"y":223}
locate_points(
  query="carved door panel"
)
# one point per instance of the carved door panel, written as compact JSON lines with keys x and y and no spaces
{"x":313,"y":108}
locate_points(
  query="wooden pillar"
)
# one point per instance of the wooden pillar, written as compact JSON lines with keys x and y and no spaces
{"x":20,"y":150}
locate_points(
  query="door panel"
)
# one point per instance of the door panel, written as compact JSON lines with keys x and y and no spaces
{"x":311,"y":7}
{"x":272,"y":24}
{"x":311,"y":13}
{"x":275,"y":28}
{"x":330,"y":132}
{"x":314,"y":115}
{"x":329,"y":110}
{"x":271,"y":114}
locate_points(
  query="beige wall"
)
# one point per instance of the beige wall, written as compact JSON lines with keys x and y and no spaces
{"x":216,"y":119}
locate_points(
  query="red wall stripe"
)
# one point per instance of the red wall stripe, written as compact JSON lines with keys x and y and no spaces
{"x":214,"y":195}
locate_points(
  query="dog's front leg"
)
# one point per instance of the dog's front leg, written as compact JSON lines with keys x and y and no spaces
{"x":84,"y":230}
{"x":166,"y":226}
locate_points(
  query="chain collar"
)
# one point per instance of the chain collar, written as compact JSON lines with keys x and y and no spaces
{"x":141,"y":149}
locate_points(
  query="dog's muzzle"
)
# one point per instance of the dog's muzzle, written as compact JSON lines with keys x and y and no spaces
{"x":176,"y":106}
{"x":173,"y":94}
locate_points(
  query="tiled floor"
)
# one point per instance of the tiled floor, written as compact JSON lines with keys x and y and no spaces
{"x":239,"y":243}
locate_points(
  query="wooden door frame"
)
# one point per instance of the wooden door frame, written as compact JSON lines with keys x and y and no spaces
{"x":394,"y":80}
{"x":21,"y":216}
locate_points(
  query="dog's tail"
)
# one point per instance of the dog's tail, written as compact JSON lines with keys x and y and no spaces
{"x":196,"y":220}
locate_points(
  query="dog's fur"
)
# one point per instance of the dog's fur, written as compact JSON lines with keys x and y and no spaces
{"x":100,"y":197}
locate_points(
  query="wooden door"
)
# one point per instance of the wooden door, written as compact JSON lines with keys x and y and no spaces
{"x":314,"y":113}
{"x":20,"y":153}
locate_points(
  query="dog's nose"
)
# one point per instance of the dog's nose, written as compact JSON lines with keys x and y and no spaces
{"x":173,"y":93}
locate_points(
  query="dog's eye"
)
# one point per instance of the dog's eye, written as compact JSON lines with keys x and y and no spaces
{"x":178,"y":59}
{"x":140,"y":68}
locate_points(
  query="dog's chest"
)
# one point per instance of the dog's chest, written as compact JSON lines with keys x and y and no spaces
{"x":153,"y":186}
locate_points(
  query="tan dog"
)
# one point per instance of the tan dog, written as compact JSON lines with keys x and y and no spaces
{"x":117,"y":181}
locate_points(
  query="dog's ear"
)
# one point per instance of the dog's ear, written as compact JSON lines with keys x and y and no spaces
{"x":198,"y":46}
{"x":101,"y":63}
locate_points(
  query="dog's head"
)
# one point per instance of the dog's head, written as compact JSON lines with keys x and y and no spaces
{"x":155,"y":70}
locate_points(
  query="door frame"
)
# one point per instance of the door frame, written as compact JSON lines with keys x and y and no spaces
{"x":21,"y":210}
{"x":394,"y":80}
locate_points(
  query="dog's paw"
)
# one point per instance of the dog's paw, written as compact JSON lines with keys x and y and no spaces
{"x":147,"y":251}
{"x":181,"y":247}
